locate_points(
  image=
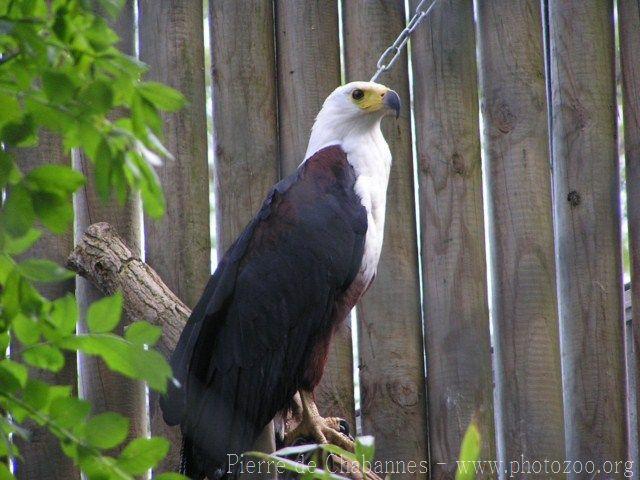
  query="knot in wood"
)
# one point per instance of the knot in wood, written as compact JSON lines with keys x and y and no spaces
{"x":457,"y":162}
{"x":403,"y":393}
{"x":574,"y":198}
{"x":504,"y":118}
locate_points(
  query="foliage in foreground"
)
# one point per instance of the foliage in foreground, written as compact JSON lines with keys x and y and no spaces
{"x":60,"y":71}
{"x":312,"y":462}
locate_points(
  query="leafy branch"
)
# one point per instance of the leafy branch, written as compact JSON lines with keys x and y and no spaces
{"x":61,"y":72}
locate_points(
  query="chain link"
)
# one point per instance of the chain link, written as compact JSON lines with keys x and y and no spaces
{"x":391,"y":54}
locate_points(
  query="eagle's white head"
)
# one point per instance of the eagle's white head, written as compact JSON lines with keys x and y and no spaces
{"x":354,"y":109}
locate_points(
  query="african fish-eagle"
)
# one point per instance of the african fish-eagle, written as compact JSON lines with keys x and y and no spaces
{"x":261,"y":331}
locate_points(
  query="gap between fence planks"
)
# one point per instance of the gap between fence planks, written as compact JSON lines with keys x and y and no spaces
{"x":40,"y":455}
{"x":587,"y":208}
{"x":629,"y":18}
{"x":521,"y":231}
{"x":456,"y":315}
{"x":178,"y":246}
{"x":390,"y":332}
{"x":308,"y":53}
{"x":244,"y":92}
{"x":104,"y":389}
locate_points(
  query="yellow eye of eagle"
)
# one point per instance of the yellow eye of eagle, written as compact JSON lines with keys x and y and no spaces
{"x":357,"y":94}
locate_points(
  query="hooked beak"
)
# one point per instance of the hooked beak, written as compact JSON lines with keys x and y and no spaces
{"x":391,"y":101}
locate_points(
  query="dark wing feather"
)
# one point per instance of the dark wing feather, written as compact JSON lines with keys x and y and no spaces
{"x":244,"y":352}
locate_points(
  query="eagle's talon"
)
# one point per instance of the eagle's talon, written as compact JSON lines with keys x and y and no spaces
{"x":322,"y":430}
{"x":345,"y":429}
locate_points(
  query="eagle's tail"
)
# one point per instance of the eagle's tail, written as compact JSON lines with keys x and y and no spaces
{"x":195,"y":464}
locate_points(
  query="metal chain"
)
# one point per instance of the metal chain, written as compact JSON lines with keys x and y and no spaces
{"x":391,"y":54}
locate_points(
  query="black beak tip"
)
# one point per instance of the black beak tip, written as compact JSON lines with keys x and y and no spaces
{"x":392,"y":102}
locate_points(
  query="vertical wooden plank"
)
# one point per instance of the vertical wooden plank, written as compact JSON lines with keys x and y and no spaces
{"x":106,"y":390}
{"x":521,"y":229}
{"x":390,"y":333}
{"x":244,"y":112}
{"x":308,"y":71}
{"x":178,"y":246}
{"x":587,"y":207}
{"x":629,"y":18}
{"x":459,"y":381}
{"x":41,"y":455}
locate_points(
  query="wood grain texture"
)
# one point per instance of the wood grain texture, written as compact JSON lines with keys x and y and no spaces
{"x":107,"y":390}
{"x":244,"y":111}
{"x":102,"y":257}
{"x":390,"y":332}
{"x":308,"y":71}
{"x":521,"y":230}
{"x":244,"y":115}
{"x":629,"y":18}
{"x":41,"y":455}
{"x":178,"y":246}
{"x":587,"y":207}
{"x":460,"y":381}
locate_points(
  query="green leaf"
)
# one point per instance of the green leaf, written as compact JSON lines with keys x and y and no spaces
{"x":152,"y":367}
{"x":25,"y":329}
{"x":36,"y":394}
{"x":64,"y":314}
{"x":19,"y":133}
{"x":54,"y":211}
{"x":15,"y":369}
{"x":171,"y":476}
{"x":55,"y":178}
{"x":40,"y":270}
{"x":45,"y":357}
{"x":9,"y":108}
{"x":469,"y":453}
{"x":124,"y":357}
{"x":6,"y":267}
{"x":104,"y":315}
{"x":93,"y":466}
{"x":97,"y":97}
{"x":365,"y":448}
{"x":18,"y":215}
{"x":9,"y":173}
{"x":19,"y":295}
{"x":107,"y":430}
{"x":339,"y":451}
{"x":48,"y":116}
{"x":57,"y":86}
{"x":163,"y":97}
{"x":4,"y":341}
{"x":143,"y":333}
{"x":18,"y":245}
{"x":142,"y":454}
{"x":100,"y":36}
{"x":5,"y":473}
{"x":150,"y":190}
{"x":145,"y":116}
{"x":68,"y":412}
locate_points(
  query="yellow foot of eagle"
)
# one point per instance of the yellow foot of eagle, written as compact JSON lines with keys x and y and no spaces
{"x":322,"y":430}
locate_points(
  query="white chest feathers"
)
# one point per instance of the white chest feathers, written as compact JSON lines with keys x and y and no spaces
{"x":371,"y":161}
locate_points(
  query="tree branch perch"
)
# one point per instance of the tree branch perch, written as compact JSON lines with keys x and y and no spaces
{"x":103,"y":258}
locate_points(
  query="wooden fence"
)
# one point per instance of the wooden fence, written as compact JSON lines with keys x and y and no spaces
{"x":538,"y":170}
